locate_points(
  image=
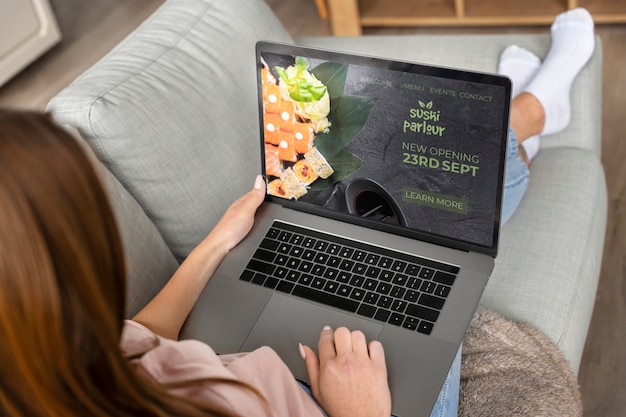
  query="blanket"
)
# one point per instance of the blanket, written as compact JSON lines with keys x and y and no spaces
{"x":513,"y":369}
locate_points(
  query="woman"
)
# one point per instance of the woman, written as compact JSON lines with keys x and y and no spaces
{"x":62,"y":298}
{"x":62,"y":275}
{"x":63,"y":281}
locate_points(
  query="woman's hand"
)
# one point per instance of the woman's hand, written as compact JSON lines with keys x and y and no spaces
{"x":167,"y":312}
{"x":350,"y":377}
{"x":238,"y":219}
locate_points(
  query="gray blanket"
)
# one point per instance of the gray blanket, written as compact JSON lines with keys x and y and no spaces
{"x":513,"y":369}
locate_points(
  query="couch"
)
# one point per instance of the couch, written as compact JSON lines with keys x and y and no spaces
{"x":171,"y":115}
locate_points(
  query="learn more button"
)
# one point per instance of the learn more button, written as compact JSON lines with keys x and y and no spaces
{"x":435,"y":200}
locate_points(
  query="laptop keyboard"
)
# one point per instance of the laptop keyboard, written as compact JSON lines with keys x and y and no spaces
{"x":370,"y":281}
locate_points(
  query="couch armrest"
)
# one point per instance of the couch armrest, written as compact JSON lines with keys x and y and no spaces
{"x":548,"y":266}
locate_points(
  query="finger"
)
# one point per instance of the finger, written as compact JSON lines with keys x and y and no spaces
{"x":253,"y":198}
{"x":312,"y":366}
{"x":377,"y":352}
{"x":259,"y":183}
{"x":359,"y":344}
{"x":257,"y":190}
{"x":343,"y":341}
{"x":326,"y":345}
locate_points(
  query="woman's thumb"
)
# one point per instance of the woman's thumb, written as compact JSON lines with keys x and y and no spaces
{"x":312,"y":365}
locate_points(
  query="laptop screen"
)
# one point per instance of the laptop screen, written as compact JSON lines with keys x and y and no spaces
{"x":408,"y":148}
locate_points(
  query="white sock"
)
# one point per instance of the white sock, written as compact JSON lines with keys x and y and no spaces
{"x":531,"y":146}
{"x":573,"y":43}
{"x":520,"y":65}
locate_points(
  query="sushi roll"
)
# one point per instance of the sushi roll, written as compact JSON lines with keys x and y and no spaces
{"x":287,"y":115}
{"x":319,"y":163}
{"x":286,"y":151}
{"x":303,"y":137}
{"x":271,"y":128}
{"x":273,"y":164}
{"x":271,"y":99}
{"x":276,"y":188}
{"x":292,"y":184}
{"x":305,"y":172}
{"x":266,"y":75}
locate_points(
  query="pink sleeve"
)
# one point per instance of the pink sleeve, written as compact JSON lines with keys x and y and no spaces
{"x":168,"y":361}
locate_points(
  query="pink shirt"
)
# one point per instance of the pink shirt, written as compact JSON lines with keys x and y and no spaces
{"x":168,"y":361}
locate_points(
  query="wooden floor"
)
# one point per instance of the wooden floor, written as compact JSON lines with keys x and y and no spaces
{"x":92,"y":28}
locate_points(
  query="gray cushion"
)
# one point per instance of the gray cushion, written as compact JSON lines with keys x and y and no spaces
{"x":177,"y":100}
{"x":482,"y":53}
{"x":149,"y":262}
{"x":551,"y":250}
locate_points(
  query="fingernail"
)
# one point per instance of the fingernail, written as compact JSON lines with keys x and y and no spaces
{"x":327,"y":328}
{"x":302,"y":352}
{"x":258,"y":182}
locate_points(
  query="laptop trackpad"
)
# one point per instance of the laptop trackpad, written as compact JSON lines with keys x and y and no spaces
{"x":287,"y":321}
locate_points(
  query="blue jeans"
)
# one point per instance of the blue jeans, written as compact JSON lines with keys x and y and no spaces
{"x":447,"y":404}
{"x":516,"y":177}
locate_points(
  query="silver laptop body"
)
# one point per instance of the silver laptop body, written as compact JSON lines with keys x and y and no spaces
{"x":417,"y":158}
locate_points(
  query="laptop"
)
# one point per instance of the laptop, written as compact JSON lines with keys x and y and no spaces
{"x":384,"y":190}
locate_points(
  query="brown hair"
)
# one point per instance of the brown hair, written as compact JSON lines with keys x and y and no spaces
{"x":63,"y":284}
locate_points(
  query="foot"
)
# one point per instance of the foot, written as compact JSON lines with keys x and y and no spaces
{"x":573,"y":42}
{"x":520,"y":65}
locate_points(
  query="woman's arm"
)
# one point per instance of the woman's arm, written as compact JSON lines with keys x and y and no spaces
{"x":166,"y":313}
